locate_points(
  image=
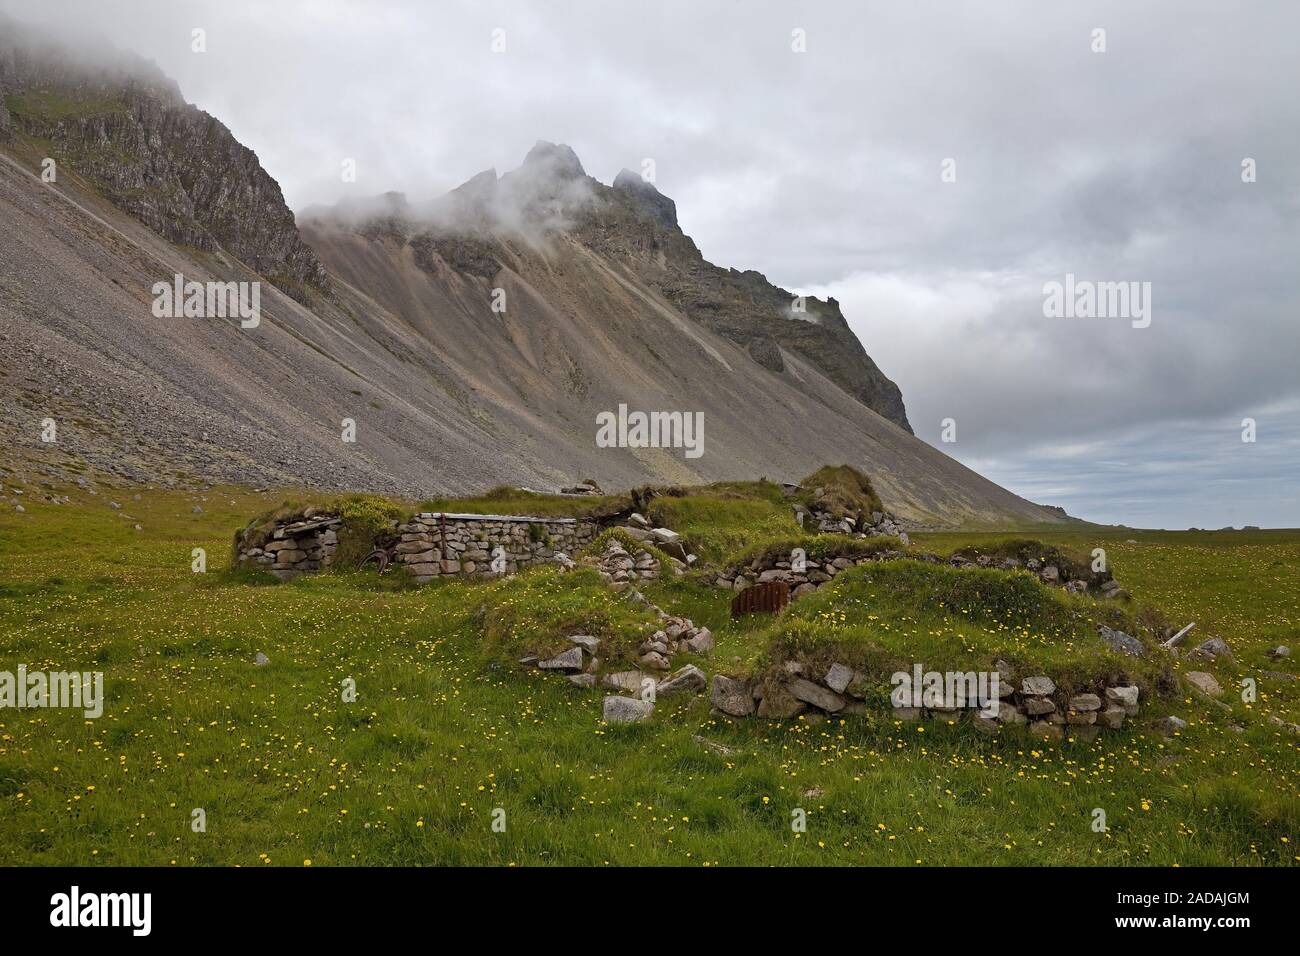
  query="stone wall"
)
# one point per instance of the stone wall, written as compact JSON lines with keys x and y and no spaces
{"x":439,"y":543}
{"x":295,"y":548}
{"x":811,"y":573}
{"x":1034,"y":700}
{"x":430,"y":545}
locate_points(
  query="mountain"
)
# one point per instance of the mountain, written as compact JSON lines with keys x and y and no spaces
{"x":471,"y":339}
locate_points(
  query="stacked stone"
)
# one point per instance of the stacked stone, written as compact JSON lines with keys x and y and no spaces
{"x":471,"y":540}
{"x":841,"y":691}
{"x":296,"y":548}
{"x":777,"y":567}
{"x":621,"y":570}
{"x":774,"y":567}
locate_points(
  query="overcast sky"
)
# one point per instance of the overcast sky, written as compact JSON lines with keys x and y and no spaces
{"x":822,"y":169}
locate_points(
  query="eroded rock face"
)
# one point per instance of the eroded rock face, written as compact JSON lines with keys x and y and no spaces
{"x":127,"y":129}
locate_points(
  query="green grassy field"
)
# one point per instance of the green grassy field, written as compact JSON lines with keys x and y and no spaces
{"x":444,"y":738}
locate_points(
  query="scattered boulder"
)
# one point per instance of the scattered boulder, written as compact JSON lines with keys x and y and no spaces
{"x":1204,"y":682}
{"x":687,"y":680}
{"x":1171,"y":725}
{"x":701,"y":643}
{"x":586,"y":642}
{"x":1112,"y":717}
{"x":1126,"y":697}
{"x":1210,"y":649}
{"x":626,"y":710}
{"x":570,"y":660}
{"x":261,"y":660}
{"x":1279,"y":652}
{"x":1008,"y":714}
{"x":1119,"y":641}
{"x":582,"y":680}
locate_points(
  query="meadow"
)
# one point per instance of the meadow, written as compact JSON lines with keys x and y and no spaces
{"x":446,"y":738}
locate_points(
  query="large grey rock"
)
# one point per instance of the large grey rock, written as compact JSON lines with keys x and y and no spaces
{"x":261,"y":660}
{"x":687,"y":680}
{"x":586,"y":642}
{"x":1119,"y":641}
{"x":1204,"y":682}
{"x":702,"y":642}
{"x":626,"y":710}
{"x":1124,"y":696}
{"x":655,"y":661}
{"x":1037,"y":706}
{"x":1039,"y":686}
{"x":1211,"y":649}
{"x":838,"y":677}
{"x":1085,"y":702}
{"x":815,"y":694}
{"x":570,"y":660}
{"x":731,"y":696}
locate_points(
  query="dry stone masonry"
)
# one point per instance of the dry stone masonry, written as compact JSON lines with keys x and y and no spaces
{"x":430,"y":545}
{"x":439,"y":543}
{"x":813,"y":573}
{"x":295,"y":548}
{"x":1034,"y":701}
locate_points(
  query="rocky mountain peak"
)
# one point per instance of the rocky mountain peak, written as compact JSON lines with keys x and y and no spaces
{"x":124,"y":126}
{"x":650,"y":199}
{"x":559,"y":160}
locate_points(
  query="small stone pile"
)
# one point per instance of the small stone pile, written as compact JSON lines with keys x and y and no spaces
{"x":875,"y":524}
{"x":581,"y":663}
{"x":294,"y":548}
{"x":665,"y":539}
{"x":841,"y":690}
{"x":621,"y":570}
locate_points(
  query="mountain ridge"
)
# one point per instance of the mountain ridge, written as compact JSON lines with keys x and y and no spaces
{"x":386,"y":321}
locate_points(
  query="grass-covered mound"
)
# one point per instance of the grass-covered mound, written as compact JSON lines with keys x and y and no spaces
{"x":884,"y":617}
{"x":816,"y":547}
{"x":536,"y":611}
{"x":724,"y":517}
{"x":840,"y":489}
{"x":369,"y":521}
{"x":1072,"y":565}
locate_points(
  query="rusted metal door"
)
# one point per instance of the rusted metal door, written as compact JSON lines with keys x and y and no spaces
{"x":769,"y":597}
